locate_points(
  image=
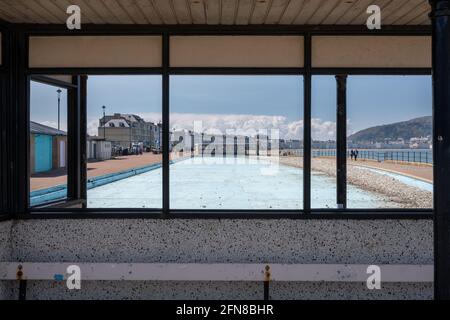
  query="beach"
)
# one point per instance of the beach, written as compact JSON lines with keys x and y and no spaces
{"x":396,"y":193}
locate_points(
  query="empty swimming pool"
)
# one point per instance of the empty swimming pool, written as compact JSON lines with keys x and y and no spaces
{"x":224,"y":183}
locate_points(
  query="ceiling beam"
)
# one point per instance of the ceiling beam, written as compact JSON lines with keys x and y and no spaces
{"x":220,"y":29}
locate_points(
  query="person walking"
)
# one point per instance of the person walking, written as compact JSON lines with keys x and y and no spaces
{"x":356,"y":154}
{"x":352,"y":154}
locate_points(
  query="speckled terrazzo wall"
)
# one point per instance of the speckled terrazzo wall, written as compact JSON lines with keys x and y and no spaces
{"x":223,"y":290}
{"x":5,"y":254}
{"x":244,"y":241}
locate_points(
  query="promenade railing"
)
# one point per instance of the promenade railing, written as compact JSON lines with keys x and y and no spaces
{"x":414,"y":156}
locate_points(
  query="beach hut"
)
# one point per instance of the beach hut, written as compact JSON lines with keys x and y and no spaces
{"x":47,"y":148}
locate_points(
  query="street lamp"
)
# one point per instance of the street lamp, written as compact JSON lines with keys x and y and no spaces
{"x":104,"y":122}
{"x":59,"y":106}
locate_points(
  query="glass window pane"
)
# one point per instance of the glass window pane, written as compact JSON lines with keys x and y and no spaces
{"x":236,"y":142}
{"x":323,"y":145}
{"x":124,"y":168}
{"x":48,"y":143}
{"x":389,"y":142}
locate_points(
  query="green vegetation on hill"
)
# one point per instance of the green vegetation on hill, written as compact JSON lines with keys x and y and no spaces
{"x":418,"y":127}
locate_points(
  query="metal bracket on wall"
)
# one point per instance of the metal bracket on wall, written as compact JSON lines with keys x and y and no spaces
{"x":22,"y":283}
{"x":266,"y":282}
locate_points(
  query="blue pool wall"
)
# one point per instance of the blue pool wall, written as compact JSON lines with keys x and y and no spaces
{"x":43,"y":196}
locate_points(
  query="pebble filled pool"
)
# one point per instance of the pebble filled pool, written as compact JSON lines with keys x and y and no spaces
{"x":427,"y":186}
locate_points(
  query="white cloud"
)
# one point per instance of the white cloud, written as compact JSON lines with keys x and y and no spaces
{"x":321,"y":130}
{"x":92,"y":127}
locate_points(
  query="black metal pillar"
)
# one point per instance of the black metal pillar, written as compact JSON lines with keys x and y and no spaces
{"x":19,"y":117}
{"x":166,"y":126}
{"x":4,"y":109}
{"x":82,"y":97}
{"x":22,"y":290}
{"x":4,"y":94}
{"x":341,"y":141}
{"x":73,"y":142}
{"x":307,"y":80}
{"x":2,"y":144}
{"x":440,"y":16}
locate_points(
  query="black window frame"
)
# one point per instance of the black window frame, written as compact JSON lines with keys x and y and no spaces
{"x":5,"y":212}
{"x":3,"y":148}
{"x":412,"y":73}
{"x":74,"y":189}
{"x":24,"y":32}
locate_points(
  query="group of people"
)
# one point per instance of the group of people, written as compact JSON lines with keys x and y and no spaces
{"x":354,"y":154}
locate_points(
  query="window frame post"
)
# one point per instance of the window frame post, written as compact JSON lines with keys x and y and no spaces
{"x":341,"y":141}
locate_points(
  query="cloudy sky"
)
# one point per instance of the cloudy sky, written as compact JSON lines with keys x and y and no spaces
{"x":245,"y":102}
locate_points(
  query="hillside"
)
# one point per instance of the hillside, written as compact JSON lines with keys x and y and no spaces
{"x":418,"y":127}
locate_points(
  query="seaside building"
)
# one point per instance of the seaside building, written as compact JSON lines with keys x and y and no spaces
{"x":98,"y":149}
{"x":124,"y":130}
{"x":420,"y":143}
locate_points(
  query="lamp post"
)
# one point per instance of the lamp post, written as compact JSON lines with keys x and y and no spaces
{"x":59,"y":107}
{"x":104,"y":123}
